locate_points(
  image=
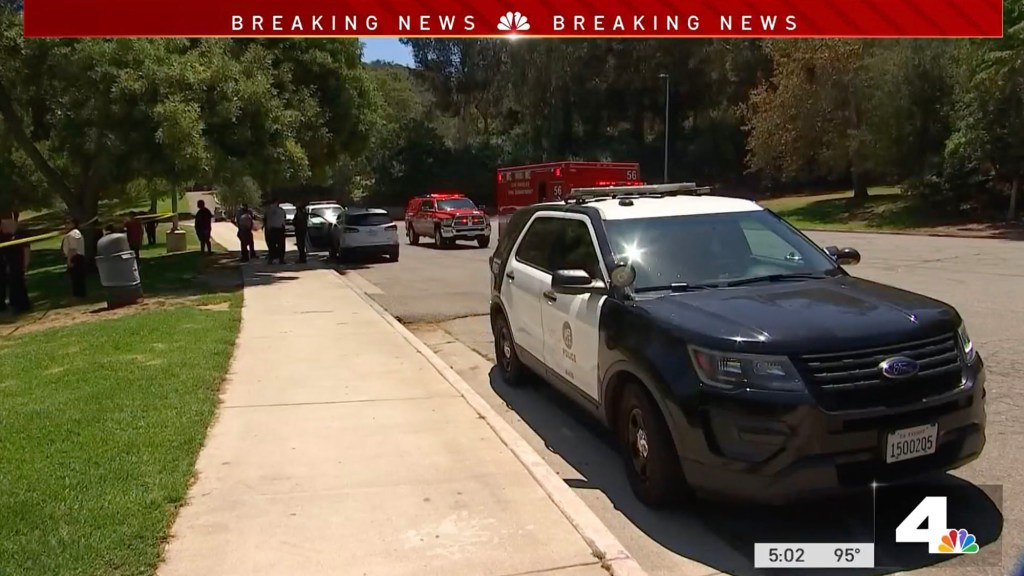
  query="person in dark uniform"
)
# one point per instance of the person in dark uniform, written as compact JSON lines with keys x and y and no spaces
{"x":151,"y":230}
{"x":6,"y":235}
{"x":15,"y":259}
{"x":301,"y":224}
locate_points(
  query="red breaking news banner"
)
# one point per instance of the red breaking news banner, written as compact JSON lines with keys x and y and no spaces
{"x":527,"y":18}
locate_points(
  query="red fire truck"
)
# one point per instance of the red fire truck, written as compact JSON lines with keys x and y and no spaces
{"x":519,"y":186}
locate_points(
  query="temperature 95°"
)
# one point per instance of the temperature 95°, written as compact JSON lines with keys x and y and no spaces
{"x":846,"y":555}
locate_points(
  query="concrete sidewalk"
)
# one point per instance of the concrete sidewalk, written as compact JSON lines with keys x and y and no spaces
{"x":344,"y":446}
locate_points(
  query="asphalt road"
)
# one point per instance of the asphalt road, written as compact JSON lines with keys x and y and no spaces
{"x":443,"y":294}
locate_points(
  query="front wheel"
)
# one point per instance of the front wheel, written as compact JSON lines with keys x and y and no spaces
{"x":483,"y":241}
{"x":512,"y":370}
{"x":652,"y":463}
{"x":411,"y":234}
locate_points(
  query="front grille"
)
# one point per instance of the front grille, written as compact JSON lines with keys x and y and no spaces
{"x":469,"y":221}
{"x":854,"y":381}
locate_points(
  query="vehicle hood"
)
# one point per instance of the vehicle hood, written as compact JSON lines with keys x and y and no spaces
{"x":802,"y":317}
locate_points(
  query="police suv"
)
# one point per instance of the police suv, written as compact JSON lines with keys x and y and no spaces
{"x":729,"y":354}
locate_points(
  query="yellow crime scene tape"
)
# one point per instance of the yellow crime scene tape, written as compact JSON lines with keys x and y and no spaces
{"x":48,"y":235}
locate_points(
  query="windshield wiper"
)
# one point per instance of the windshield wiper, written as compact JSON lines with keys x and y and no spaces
{"x":675,"y":288}
{"x":776,"y":278}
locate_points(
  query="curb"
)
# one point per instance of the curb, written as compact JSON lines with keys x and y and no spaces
{"x":603,"y":544}
{"x":921,"y":233}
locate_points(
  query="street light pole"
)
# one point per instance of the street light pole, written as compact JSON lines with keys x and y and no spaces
{"x":665,"y":76}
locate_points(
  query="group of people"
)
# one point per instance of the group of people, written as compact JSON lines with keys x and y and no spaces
{"x":275,"y":220}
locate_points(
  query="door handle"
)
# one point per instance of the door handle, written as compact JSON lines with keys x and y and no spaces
{"x":510,"y":275}
{"x":551,"y":296}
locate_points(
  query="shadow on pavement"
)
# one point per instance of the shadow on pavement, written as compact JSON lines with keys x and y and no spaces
{"x":722,"y":534}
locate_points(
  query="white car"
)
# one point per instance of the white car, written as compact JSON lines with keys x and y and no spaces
{"x":364,"y":231}
{"x":289,"y":218}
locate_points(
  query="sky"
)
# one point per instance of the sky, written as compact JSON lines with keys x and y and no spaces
{"x":387,"y":49}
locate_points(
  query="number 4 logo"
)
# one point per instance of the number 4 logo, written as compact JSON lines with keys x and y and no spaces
{"x":939,"y":538}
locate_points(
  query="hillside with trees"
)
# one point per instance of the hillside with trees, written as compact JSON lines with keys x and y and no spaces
{"x":84,"y":121}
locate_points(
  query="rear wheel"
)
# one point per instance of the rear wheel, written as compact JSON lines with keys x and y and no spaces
{"x":483,"y":241}
{"x":652,"y":464}
{"x":393,"y":254}
{"x":512,"y":370}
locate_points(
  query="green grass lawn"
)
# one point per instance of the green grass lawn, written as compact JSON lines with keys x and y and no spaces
{"x":101,"y":424}
{"x":884,"y":209}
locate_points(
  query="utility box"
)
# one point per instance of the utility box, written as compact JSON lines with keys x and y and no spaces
{"x":119,"y":270}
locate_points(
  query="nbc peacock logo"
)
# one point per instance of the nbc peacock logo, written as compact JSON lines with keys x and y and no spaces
{"x":513,"y":22}
{"x":958,"y":542}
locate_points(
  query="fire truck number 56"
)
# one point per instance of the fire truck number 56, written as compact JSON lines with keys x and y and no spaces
{"x":631,"y":175}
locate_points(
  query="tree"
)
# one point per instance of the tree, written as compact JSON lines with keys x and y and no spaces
{"x":93,"y":116}
{"x":816,"y":114}
{"x":989,"y":119}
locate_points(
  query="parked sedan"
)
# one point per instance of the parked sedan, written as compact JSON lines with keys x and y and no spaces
{"x":364,"y":231}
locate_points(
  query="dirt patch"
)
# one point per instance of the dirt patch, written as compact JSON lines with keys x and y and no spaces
{"x":220,"y":275}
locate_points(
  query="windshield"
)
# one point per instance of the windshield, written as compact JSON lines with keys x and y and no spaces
{"x":367,"y":219}
{"x":713,"y":249}
{"x":330,"y":213}
{"x":456,"y":204}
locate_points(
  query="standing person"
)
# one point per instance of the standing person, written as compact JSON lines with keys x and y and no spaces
{"x":301,"y":224}
{"x":204,"y":227}
{"x":244,"y":222}
{"x":7,"y":228}
{"x":275,"y":219}
{"x":16,"y":259}
{"x":133,"y":228}
{"x":73,"y":247}
{"x":151,"y":229}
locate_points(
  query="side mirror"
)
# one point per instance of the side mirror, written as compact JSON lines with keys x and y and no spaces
{"x":623,"y":275}
{"x":844,"y":256}
{"x":575,"y":282}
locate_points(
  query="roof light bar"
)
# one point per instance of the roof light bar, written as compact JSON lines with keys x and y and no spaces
{"x":677,"y":189}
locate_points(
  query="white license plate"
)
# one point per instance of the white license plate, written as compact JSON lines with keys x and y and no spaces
{"x":911,"y":443}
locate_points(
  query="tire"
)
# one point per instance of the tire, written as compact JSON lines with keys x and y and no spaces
{"x":414,"y":238}
{"x":332,"y":253}
{"x":650,"y":457}
{"x":483,"y":241}
{"x":511,"y":368}
{"x":344,"y":255}
{"x":393,"y":254}
{"x":439,"y":240}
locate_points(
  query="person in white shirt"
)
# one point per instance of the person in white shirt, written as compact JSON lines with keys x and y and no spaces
{"x":275,"y":232}
{"x":73,"y":247}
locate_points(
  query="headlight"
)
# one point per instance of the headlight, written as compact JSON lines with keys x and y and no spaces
{"x":966,"y":345}
{"x":729,"y":371}
{"x":447,"y":222}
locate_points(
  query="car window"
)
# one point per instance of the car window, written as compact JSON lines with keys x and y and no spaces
{"x":539,"y":243}
{"x":427,"y":205}
{"x":576,"y":250}
{"x":766,"y":244}
{"x":329,"y":213}
{"x":712,"y":248}
{"x":367,"y":219}
{"x":456,"y":204}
